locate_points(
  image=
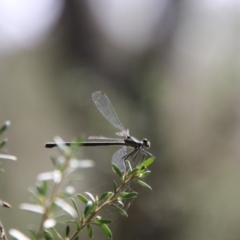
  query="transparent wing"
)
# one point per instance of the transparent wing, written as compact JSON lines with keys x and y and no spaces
{"x":105,"y":107}
{"x":123,"y":134}
{"x":118,"y":160}
{"x":104,"y":138}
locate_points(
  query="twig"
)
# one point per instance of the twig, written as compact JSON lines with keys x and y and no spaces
{"x":2,"y":232}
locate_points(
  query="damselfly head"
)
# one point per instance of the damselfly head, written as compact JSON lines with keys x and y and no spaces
{"x":146,"y":143}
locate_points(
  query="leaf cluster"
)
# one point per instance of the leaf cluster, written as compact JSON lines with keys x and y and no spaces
{"x":54,"y":197}
{"x":3,"y":142}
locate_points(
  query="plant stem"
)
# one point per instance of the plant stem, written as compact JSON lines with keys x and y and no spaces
{"x":2,"y":232}
{"x":112,"y":199}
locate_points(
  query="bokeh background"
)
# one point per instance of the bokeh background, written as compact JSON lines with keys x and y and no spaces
{"x":172,"y":71}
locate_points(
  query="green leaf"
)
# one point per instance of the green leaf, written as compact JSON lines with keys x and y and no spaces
{"x":102,"y":221}
{"x":120,"y":203}
{"x":117,"y":171}
{"x":133,"y":172}
{"x":89,"y":208}
{"x":76,"y":143}
{"x":106,"y":231}
{"x":48,"y":235}
{"x":90,"y":231}
{"x":144,"y":184}
{"x":145,"y":174}
{"x":90,"y":196}
{"x":147,"y":162}
{"x":33,"y":233}
{"x":128,"y":165}
{"x":125,"y":195}
{"x":114,"y":187}
{"x":104,"y":195}
{"x":56,"y":233}
{"x":82,"y":198}
{"x":4,"y":127}
{"x":42,"y":188}
{"x":75,"y":206}
{"x":119,"y":209}
{"x":2,"y":144}
{"x":75,"y":222}
{"x":67,"y":230}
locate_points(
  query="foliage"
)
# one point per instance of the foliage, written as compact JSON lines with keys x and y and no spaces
{"x":54,"y":198}
{"x":3,"y":142}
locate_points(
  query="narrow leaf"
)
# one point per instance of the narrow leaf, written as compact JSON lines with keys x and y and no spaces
{"x":147,"y":162}
{"x":2,"y":144}
{"x":103,"y":221}
{"x":129,"y":166}
{"x":106,"y":231}
{"x":66,"y":207}
{"x":114,"y":187}
{"x":125,"y":195}
{"x":117,"y":171}
{"x":90,"y":196}
{"x":56,"y":233}
{"x":42,"y":188}
{"x":33,"y":233}
{"x":145,"y":174}
{"x":82,"y":198}
{"x":144,"y":184}
{"x":76,"y":143}
{"x":8,"y":157}
{"x":75,"y":222}
{"x":120,"y":203}
{"x":67,"y":230}
{"x":17,"y":234}
{"x":4,"y":127}
{"x":88,"y":209}
{"x":32,"y":208}
{"x":133,"y":171}
{"x":48,"y":235}
{"x":119,"y":209}
{"x":75,"y":206}
{"x":89,"y":230}
{"x":103,"y":196}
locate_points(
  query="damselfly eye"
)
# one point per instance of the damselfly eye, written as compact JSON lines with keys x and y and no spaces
{"x":146,"y":143}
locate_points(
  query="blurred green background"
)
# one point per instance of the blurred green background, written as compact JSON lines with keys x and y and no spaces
{"x":171,"y":70}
